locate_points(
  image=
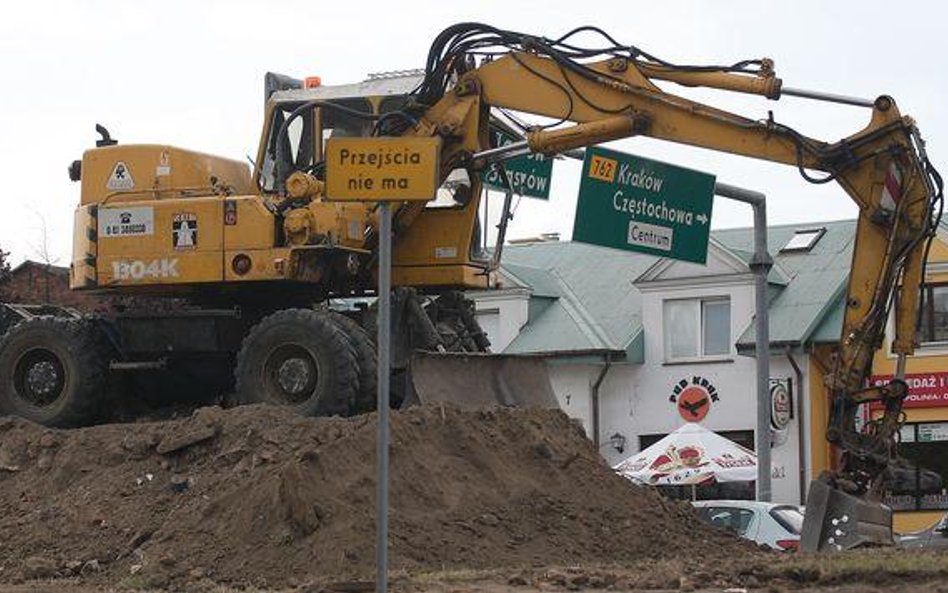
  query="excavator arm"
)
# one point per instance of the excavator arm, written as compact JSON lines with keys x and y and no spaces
{"x":882,"y":167}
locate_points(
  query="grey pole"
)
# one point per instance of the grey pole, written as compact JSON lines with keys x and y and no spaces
{"x":760,"y":265}
{"x":384,"y":346}
{"x":829,"y":97}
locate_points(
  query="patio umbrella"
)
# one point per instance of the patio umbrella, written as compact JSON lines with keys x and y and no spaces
{"x":690,"y":455}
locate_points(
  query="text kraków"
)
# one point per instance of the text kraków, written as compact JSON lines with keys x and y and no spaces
{"x":640,"y":179}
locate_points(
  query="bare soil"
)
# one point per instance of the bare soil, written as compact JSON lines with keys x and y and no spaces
{"x":880,"y":571}
{"x":259,"y":497}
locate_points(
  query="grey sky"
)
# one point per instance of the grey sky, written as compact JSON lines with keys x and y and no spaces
{"x":191,"y":74}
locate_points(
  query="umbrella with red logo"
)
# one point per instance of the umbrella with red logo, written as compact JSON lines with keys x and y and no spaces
{"x":690,"y":455}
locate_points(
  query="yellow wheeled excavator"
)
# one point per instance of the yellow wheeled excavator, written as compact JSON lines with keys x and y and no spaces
{"x":257,"y":252}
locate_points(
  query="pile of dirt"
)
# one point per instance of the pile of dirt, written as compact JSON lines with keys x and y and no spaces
{"x":259,"y":496}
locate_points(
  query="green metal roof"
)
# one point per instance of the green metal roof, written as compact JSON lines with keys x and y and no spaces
{"x":817,"y":278}
{"x":583,"y":299}
{"x":541,"y":282}
{"x":595,"y":308}
{"x":830,"y":328}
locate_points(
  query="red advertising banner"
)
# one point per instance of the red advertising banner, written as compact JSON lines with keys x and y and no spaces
{"x":926,"y":390}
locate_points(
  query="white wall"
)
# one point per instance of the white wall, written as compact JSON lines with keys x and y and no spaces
{"x":572,"y":384}
{"x":634,"y":398}
{"x":501,"y":313}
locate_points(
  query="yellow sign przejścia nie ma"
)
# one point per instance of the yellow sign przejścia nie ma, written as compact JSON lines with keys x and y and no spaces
{"x":382,"y":169}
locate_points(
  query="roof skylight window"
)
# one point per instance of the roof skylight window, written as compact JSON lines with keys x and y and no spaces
{"x":804,"y":239}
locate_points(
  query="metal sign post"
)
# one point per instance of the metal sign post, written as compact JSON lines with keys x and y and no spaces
{"x":383,"y":170}
{"x":760,"y":265}
{"x":384,"y":355}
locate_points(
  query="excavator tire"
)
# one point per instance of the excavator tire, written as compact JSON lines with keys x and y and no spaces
{"x":299,"y":358}
{"x":367,"y":359}
{"x":455,"y":338}
{"x":54,"y":371}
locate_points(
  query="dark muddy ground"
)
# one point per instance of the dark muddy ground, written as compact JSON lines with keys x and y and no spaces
{"x":859,"y":572}
{"x":259,"y":499}
{"x":257,"y":496}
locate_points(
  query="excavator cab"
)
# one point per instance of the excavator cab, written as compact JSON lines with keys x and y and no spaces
{"x":440,"y":352}
{"x":443,"y":249}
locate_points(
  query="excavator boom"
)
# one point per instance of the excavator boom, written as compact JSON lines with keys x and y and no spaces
{"x":611,"y":93}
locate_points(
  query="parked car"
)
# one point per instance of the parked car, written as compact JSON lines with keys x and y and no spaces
{"x":770,"y":524}
{"x":935,"y":536}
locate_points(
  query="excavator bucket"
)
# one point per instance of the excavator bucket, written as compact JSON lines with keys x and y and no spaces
{"x":471,"y":380}
{"x":835,"y":520}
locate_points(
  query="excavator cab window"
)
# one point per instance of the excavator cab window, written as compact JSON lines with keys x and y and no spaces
{"x":295,"y":149}
{"x":393,"y":103}
{"x":455,"y":192}
{"x":337,"y":123}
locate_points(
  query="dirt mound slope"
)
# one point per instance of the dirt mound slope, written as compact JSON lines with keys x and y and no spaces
{"x":259,"y":496}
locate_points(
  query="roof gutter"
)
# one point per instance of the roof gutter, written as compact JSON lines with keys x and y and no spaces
{"x":607,"y":359}
{"x":565,"y":354}
{"x":801,"y":427}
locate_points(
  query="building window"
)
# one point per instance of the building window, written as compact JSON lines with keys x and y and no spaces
{"x":803,"y":240}
{"x":933,"y":326}
{"x":697,"y":328}
{"x":921,"y":484}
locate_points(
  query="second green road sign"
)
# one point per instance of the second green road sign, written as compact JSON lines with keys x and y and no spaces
{"x":632,"y":203}
{"x":528,"y":175}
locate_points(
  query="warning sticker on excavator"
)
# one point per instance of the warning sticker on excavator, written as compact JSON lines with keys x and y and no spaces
{"x":382,"y":169}
{"x":133,"y":221}
{"x":184,"y":230}
{"x":121,"y":178}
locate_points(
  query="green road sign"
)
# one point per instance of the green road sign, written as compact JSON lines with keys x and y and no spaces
{"x":529,"y":175}
{"x":629,"y":202}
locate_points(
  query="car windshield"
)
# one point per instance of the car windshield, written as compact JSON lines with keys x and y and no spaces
{"x":789,"y":517}
{"x":735,"y":519}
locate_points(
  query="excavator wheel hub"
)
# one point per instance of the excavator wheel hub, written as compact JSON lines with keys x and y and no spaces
{"x":294,"y":371}
{"x":294,"y":375}
{"x":40,"y":375}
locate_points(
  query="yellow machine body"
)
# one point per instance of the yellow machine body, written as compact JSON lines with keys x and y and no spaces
{"x":165,"y":220}
{"x":194,"y":219}
{"x":168,"y":219}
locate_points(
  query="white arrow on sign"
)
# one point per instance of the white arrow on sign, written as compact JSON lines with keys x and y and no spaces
{"x":702,"y":218}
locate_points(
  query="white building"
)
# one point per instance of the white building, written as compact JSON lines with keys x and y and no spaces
{"x":636,"y":345}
